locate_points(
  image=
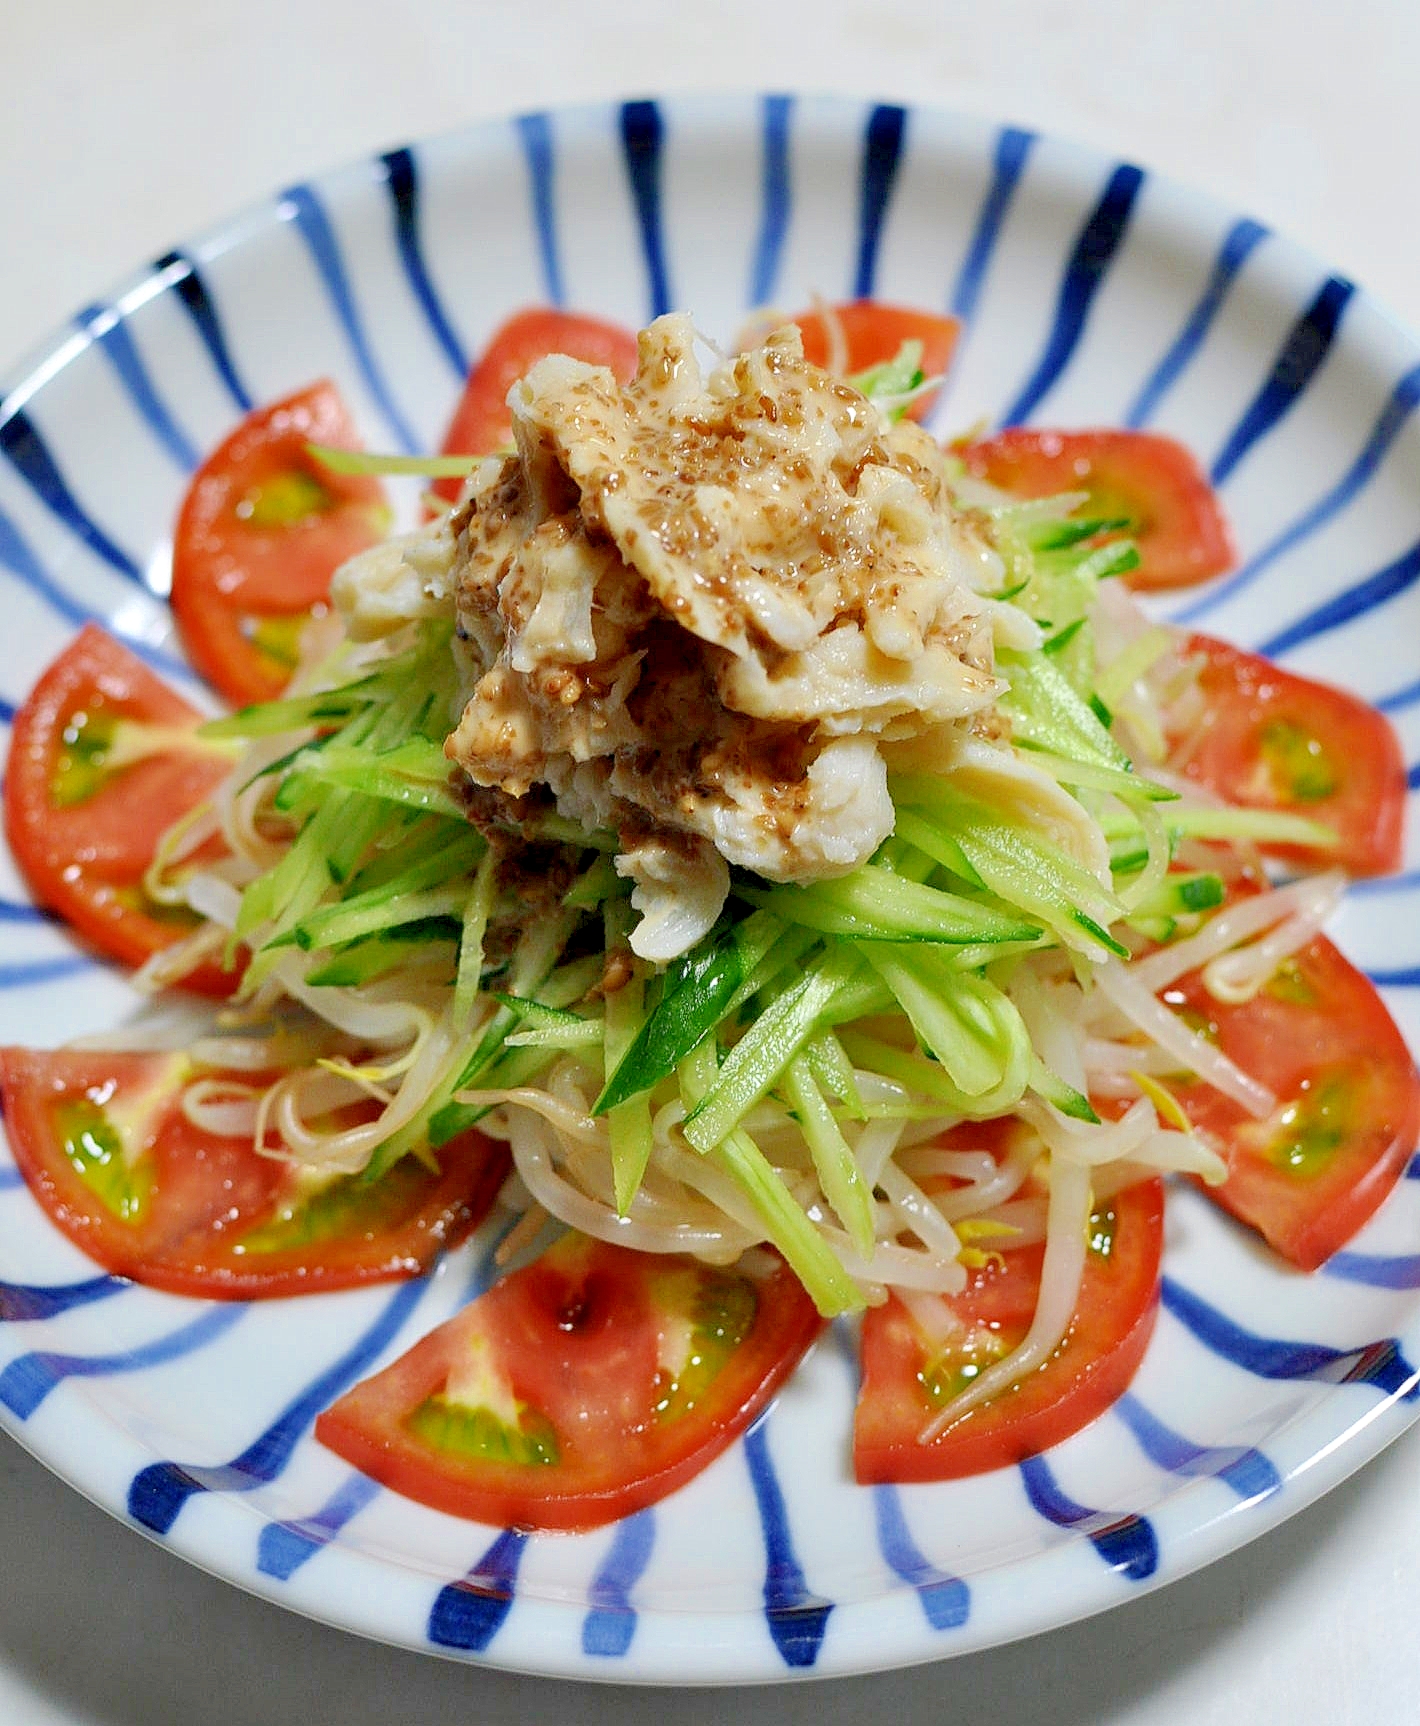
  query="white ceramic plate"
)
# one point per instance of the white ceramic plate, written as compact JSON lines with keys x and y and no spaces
{"x":1091,"y":294}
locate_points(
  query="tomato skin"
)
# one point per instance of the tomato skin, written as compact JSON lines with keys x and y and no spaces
{"x":874,"y":333}
{"x":209,"y":1196}
{"x":1260,"y":723}
{"x":86,"y":859}
{"x":263,"y":527}
{"x":1114,"y":1319}
{"x":481,"y":422}
{"x":573,"y":1337}
{"x":1176,"y":520}
{"x":1320,"y":1038}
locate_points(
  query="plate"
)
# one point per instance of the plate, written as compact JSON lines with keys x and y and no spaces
{"x":1091,"y":293}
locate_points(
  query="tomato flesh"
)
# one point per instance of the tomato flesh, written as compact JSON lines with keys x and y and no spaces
{"x":1149,"y":482}
{"x":263,"y":527}
{"x":907,"y":1378}
{"x":873,"y":333}
{"x":107,"y":1151}
{"x":482,"y":422}
{"x":1268,"y":739}
{"x":580,"y":1388}
{"x":83,"y":829}
{"x":1348,"y":1102}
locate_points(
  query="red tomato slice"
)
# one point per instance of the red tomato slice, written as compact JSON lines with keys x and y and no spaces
{"x":481,"y":422}
{"x":107,"y":1151}
{"x":1320,"y":1038}
{"x":906,"y":1377}
{"x":262,"y":529}
{"x":1268,"y":739}
{"x":83,"y":831}
{"x":579,"y":1389}
{"x":1149,"y":481}
{"x":874,"y":333}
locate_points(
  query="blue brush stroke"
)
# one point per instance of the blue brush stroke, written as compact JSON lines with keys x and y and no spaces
{"x":1401,"y":1271}
{"x":20,"y":910}
{"x":1398,"y":700}
{"x":20,"y":1302}
{"x":1345,"y":607}
{"x":1094,"y":251}
{"x":1412,"y":1173}
{"x":775,"y":200}
{"x":469,"y":1614}
{"x":1412,"y":775}
{"x":1392,"y":420}
{"x":283,"y":1547}
{"x":797,"y":1619}
{"x":158,"y":1492}
{"x":945,"y":1599}
{"x":1013,"y":147}
{"x":25,"y":974}
{"x":1126,"y":1543}
{"x":642,"y":138}
{"x":1238,"y":245}
{"x":882,"y":152}
{"x":27,"y":453}
{"x":1241,"y":1467}
{"x":1378,"y":1364}
{"x":1385,"y":883}
{"x":191,"y":290}
{"x":10,"y":1180}
{"x":535,"y":135}
{"x":1405,"y":977}
{"x":105,"y":326}
{"x":609,"y":1627}
{"x":1298,"y":360}
{"x":300,"y":205}
{"x":28,"y":1380}
{"x":402,"y":177}
{"x":7,"y":711}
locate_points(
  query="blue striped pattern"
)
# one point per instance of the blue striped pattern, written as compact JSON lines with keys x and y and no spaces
{"x":102,"y":324}
{"x":1088,"y":265}
{"x":29,"y":455}
{"x":64,"y":555}
{"x":185,"y":280}
{"x":535,"y":135}
{"x":1297,"y":363}
{"x":775,"y":201}
{"x":403,"y":179}
{"x":300,"y":206}
{"x":1013,"y":147}
{"x":641,"y":139}
{"x":882,"y":151}
{"x":1242,"y":240}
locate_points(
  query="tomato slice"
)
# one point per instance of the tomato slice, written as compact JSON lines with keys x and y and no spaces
{"x":1268,"y":739}
{"x":906,"y":1378}
{"x":1148,"y":481}
{"x":481,"y":422}
{"x":108,"y":1152}
{"x":1348,"y":1110}
{"x":262,"y":529}
{"x":104,"y":758}
{"x":873,"y":334}
{"x":580,"y":1388}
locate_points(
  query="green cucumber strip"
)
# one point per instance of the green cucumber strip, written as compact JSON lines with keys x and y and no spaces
{"x":629,"y":1129}
{"x":549,"y":1027}
{"x":349,"y":921}
{"x":1047,"y":1084}
{"x":1074,"y":530}
{"x":700,"y":989}
{"x":756,"y":1061}
{"x":416,"y":774}
{"x":1048,"y":713}
{"x":1118,"y":782}
{"x":879,"y":903}
{"x":377,"y":955}
{"x":595,"y":885}
{"x":911,"y":1070}
{"x":358,"y":461}
{"x":838,"y":1172}
{"x":1262,"y":826}
{"x":1179,"y":895}
{"x":476,"y":912}
{"x":939,"y":847}
{"x":1114,"y":680}
{"x":965,"y":1021}
{"x":833,"y":1071}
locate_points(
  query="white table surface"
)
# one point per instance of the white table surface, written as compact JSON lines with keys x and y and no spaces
{"x":124,"y":128}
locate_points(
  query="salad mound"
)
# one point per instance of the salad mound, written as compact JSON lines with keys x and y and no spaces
{"x":776,"y":836}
